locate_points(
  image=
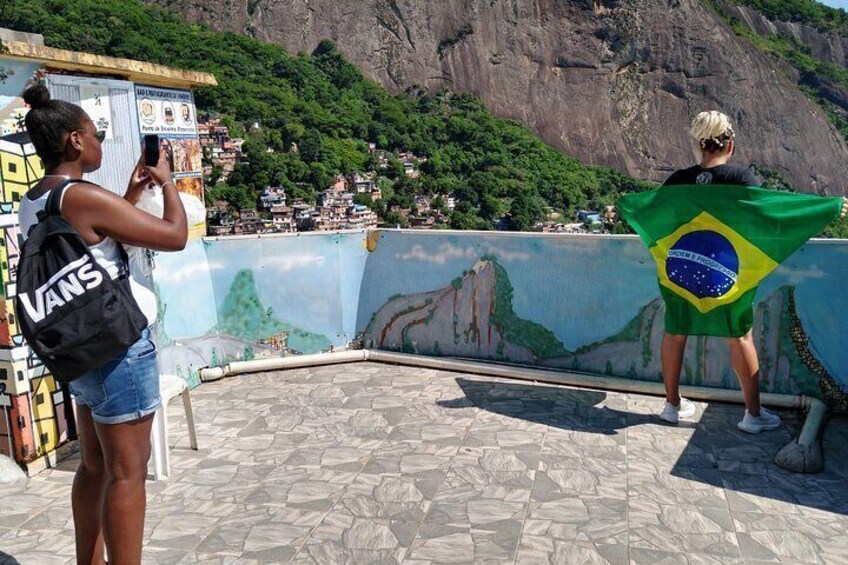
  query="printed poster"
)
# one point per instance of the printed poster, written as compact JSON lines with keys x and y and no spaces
{"x":171,"y":114}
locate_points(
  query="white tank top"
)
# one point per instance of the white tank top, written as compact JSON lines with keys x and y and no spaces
{"x":106,"y":253}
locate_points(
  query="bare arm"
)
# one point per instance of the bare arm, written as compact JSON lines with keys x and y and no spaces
{"x":95,"y":212}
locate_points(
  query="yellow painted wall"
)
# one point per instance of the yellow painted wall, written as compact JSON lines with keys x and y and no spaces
{"x":19,"y":170}
{"x":43,"y":411}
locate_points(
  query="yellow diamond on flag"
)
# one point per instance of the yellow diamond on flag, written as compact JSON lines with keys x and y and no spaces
{"x":709,"y":264}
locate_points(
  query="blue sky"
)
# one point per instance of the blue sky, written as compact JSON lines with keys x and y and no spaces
{"x":836,"y":3}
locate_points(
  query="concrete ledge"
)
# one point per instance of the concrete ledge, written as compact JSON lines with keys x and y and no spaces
{"x":89,"y":63}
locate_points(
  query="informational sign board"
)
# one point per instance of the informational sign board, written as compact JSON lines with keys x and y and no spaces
{"x":166,"y":112}
{"x":171,"y":114}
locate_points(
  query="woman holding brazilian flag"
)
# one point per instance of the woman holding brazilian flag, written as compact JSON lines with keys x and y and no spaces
{"x":713,"y":245}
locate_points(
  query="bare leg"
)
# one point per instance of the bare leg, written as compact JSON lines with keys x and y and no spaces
{"x":672,"y":362}
{"x":87,"y":493}
{"x":743,"y":356}
{"x":126,"y":450}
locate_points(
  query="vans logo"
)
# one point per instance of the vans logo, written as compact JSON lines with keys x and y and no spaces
{"x":73,"y":280}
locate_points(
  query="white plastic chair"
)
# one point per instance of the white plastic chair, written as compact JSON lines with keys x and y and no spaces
{"x":170,"y":386}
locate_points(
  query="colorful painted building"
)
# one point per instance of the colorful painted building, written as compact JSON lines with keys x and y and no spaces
{"x":20,"y":167}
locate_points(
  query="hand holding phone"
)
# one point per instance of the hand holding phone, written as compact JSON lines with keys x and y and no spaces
{"x":151,"y":150}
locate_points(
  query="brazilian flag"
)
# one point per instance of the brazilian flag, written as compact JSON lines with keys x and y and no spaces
{"x":713,"y":244}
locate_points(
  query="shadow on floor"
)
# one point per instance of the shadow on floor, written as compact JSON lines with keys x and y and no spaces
{"x":563,"y":408}
{"x":714,"y":451}
{"x":6,"y":559}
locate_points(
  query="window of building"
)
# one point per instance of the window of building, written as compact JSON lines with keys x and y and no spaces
{"x":39,"y":399}
{"x":3,"y":374}
{"x":44,"y":439}
{"x":20,"y":375}
{"x":11,"y":319}
{"x":13,"y":167}
{"x":16,"y":196}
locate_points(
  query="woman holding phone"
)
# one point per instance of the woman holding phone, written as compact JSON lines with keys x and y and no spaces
{"x":115,"y":403}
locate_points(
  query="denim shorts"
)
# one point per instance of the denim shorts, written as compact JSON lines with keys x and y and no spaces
{"x":124,"y":389}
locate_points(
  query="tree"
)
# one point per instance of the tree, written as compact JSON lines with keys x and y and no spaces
{"x":215,"y":176}
{"x":363,"y":199}
{"x":490,"y":207}
{"x":526,"y":209}
{"x":395,"y":219}
{"x":402,"y":201}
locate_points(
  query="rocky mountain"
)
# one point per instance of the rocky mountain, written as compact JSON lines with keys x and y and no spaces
{"x":608,"y":81}
{"x":471,"y":317}
{"x":823,"y":45}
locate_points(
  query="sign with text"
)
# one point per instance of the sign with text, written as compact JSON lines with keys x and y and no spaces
{"x":166,"y":112}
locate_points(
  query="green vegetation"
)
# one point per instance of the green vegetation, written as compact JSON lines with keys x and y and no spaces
{"x":816,"y":78}
{"x":808,"y":12}
{"x":541,"y":341}
{"x":323,"y":104}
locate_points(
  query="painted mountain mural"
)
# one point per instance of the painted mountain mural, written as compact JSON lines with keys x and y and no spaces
{"x":246,"y":330}
{"x":243,"y":316}
{"x":635,"y":351}
{"x":473,"y":317}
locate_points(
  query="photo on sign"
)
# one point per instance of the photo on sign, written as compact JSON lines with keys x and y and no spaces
{"x":165,"y":111}
{"x":184,"y":154}
{"x":147,"y":111}
{"x":191,"y":185}
{"x":168,"y":112}
{"x":185,"y":113}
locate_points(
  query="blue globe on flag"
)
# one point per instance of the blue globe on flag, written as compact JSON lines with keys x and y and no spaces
{"x":704,"y":263}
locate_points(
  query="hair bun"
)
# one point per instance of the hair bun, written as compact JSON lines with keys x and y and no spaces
{"x":37,"y":96}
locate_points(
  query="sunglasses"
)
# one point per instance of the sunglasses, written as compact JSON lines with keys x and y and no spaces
{"x":100,"y":135}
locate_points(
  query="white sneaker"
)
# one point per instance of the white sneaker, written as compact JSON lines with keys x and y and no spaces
{"x":672,"y":414}
{"x":765,"y":422}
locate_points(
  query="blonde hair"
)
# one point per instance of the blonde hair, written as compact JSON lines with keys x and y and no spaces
{"x":712,"y":129}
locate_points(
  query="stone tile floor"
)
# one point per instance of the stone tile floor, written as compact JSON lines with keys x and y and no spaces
{"x":372,"y":463}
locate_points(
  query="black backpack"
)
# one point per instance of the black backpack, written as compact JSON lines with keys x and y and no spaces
{"x":74,"y":316}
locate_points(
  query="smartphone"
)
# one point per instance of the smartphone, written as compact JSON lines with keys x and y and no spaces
{"x":151,"y":150}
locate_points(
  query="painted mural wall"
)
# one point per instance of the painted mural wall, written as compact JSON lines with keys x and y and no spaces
{"x":592,"y":304}
{"x":238,"y":299}
{"x":569,"y":302}
{"x":32,"y":406}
